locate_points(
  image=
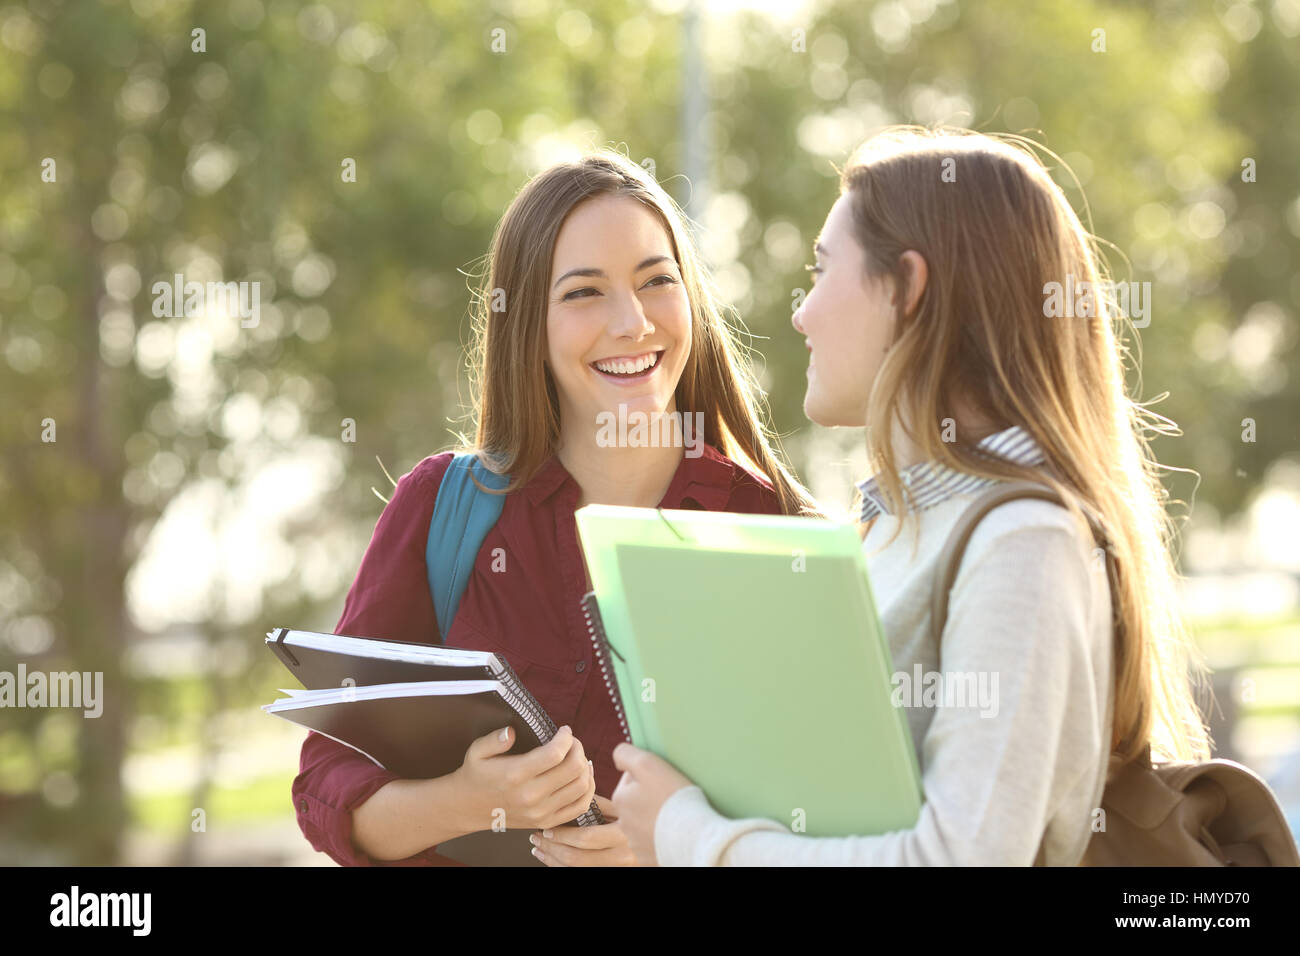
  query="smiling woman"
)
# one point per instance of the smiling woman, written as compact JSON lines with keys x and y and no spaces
{"x":618,"y":332}
{"x":592,"y":266}
{"x":593,"y":307}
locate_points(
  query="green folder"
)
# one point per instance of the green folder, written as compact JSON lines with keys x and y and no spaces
{"x":746,"y":650}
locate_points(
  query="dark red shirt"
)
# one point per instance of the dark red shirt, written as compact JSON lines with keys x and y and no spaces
{"x":529,"y":613}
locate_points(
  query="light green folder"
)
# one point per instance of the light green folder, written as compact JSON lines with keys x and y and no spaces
{"x":748,"y":653}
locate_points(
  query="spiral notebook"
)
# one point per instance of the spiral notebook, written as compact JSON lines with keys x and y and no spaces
{"x":746,"y":650}
{"x":414,"y":709}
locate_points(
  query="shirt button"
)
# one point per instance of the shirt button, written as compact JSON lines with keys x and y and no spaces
{"x":302,"y":806}
{"x":580,"y":666}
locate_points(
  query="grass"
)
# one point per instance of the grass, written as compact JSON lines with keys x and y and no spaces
{"x":264,"y":798}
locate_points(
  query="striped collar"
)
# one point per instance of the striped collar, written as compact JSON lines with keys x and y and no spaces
{"x":929,"y":483}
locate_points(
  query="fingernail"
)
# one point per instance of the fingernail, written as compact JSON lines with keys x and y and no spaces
{"x":548,"y":834}
{"x":532,"y":838}
{"x":539,"y":854}
{"x":505,"y":734}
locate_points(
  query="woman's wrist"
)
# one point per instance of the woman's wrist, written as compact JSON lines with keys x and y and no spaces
{"x":453,"y":805}
{"x":405,"y":817}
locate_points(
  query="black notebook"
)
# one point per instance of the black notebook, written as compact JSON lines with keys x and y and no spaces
{"x":414,"y":709}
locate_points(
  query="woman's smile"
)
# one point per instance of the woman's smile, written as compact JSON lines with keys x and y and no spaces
{"x":628,"y":369}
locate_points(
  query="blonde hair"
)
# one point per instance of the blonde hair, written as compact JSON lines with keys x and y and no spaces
{"x":979,"y":335}
{"x":515,"y":405}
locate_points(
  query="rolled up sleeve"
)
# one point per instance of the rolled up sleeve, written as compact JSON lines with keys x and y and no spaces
{"x":388,"y":600}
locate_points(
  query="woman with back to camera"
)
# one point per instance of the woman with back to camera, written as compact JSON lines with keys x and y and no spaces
{"x":929,"y":323}
{"x":593,"y":298}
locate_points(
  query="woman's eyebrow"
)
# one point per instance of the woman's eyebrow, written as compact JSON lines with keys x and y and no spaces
{"x":600,"y":273}
{"x":653,"y":260}
{"x":820,"y":249}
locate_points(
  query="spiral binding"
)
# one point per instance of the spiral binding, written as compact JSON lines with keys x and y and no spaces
{"x":525,"y":704}
{"x":596,"y":632}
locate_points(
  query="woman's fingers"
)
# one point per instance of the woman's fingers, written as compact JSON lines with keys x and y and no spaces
{"x":570,"y":802}
{"x":585,"y":838}
{"x":606,"y":807}
{"x":573,"y":767}
{"x":555,"y":852}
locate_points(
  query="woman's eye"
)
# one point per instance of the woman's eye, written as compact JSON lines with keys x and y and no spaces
{"x":583,"y":292}
{"x":815,"y":270}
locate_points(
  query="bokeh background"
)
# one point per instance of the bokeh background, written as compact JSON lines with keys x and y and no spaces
{"x":200,"y":489}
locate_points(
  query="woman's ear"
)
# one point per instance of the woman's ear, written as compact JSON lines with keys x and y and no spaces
{"x":917,"y":272}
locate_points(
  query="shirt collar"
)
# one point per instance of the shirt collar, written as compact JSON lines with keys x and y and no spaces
{"x":707,"y":479}
{"x":929,"y":483}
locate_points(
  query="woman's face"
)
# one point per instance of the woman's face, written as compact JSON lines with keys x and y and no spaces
{"x":847,"y":322}
{"x":618,"y":324}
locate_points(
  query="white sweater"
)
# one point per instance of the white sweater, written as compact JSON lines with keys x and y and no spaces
{"x":1030,"y":605}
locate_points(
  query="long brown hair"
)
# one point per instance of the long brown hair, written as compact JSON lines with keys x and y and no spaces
{"x":994,"y":230}
{"x":515,"y":406}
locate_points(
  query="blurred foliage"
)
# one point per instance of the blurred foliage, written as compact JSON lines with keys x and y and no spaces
{"x":225,"y":164}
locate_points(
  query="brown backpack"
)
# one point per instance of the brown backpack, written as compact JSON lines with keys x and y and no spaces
{"x":1215,"y":813}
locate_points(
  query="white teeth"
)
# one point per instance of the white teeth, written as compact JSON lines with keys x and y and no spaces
{"x":628,"y":366}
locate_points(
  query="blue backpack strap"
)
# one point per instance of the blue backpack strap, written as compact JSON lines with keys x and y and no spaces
{"x":462,"y":517}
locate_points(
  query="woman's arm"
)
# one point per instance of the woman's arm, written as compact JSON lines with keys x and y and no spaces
{"x":405,"y":817}
{"x":1023,"y":612}
{"x":388,"y":600}
{"x":334,"y":781}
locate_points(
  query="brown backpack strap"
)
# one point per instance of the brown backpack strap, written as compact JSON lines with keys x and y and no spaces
{"x":955,"y":547}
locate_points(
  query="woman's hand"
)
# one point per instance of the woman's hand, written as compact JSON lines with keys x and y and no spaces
{"x":546,"y":787}
{"x":573,"y":845}
{"x":648,"y":781}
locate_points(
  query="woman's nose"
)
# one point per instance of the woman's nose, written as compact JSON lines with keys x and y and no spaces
{"x":630,"y":319}
{"x":795,"y":320}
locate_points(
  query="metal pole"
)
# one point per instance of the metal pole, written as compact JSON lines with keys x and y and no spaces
{"x":696,"y":152}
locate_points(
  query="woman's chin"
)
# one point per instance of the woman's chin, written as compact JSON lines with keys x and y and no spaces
{"x":633,"y":411}
{"x":819,"y":413}
{"x":812,"y":410}
{"x":641,"y":404}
